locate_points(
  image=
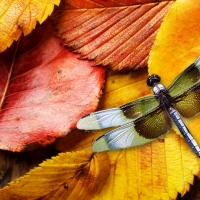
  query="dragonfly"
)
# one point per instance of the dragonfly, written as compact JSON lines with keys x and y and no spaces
{"x":144,"y":119}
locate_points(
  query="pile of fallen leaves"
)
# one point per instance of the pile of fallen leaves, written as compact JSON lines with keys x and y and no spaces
{"x":92,"y":55}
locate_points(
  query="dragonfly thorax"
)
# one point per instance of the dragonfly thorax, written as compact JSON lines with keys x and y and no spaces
{"x":162,"y":95}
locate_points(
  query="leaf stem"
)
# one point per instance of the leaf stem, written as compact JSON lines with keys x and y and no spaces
{"x":9,"y":75}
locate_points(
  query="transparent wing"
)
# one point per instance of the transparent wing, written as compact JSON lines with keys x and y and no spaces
{"x":123,"y":137}
{"x":188,"y":104}
{"x":135,"y":133}
{"x":119,"y":115}
{"x":188,"y":78}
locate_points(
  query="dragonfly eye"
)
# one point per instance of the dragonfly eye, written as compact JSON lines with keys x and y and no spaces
{"x":153,"y":79}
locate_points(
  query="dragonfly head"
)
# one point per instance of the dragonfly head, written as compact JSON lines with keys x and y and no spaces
{"x":153,"y":79}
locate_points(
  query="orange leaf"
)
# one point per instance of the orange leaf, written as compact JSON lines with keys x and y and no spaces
{"x":44,"y":91}
{"x":116,"y":34}
{"x":19,"y":16}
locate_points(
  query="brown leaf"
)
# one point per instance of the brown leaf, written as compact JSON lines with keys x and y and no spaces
{"x":44,"y":90}
{"x":118,"y":35}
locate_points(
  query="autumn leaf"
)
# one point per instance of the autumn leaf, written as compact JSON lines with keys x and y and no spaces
{"x":17,"y":17}
{"x":116,"y":34}
{"x":44,"y":90}
{"x":75,"y":175}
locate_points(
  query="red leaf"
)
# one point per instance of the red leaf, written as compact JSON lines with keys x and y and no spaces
{"x":116,"y":34}
{"x":44,"y":91}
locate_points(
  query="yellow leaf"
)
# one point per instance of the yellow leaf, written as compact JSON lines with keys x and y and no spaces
{"x":177,"y":45}
{"x":77,"y":175}
{"x":19,"y":16}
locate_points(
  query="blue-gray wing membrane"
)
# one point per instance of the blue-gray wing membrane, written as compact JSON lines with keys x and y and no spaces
{"x":119,"y":115}
{"x":138,"y":132}
{"x":122,"y":137}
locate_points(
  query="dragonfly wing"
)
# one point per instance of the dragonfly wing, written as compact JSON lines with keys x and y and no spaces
{"x":122,"y":137}
{"x":154,"y":124}
{"x":189,"y":77}
{"x":188,"y":104}
{"x":118,"y":116}
{"x":102,"y":119}
{"x":138,"y":132}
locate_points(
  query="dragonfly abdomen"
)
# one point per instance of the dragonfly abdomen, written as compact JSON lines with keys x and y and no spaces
{"x":184,"y":130}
